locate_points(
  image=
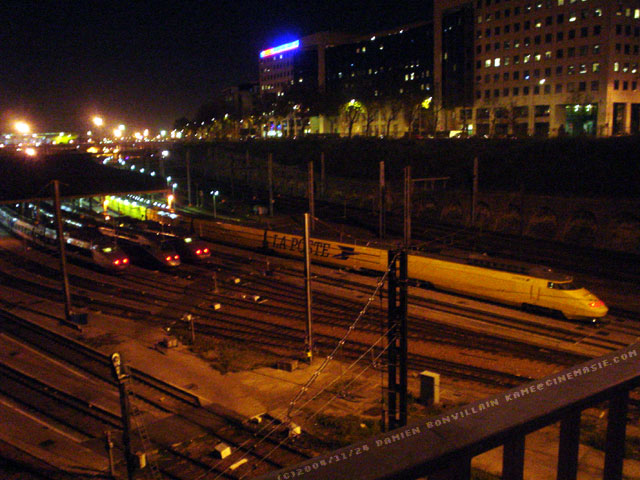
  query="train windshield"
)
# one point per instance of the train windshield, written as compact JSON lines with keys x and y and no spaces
{"x":563,"y":286}
{"x":166,"y":247}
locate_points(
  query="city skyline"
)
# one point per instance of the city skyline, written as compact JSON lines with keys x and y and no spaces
{"x":147,"y":64}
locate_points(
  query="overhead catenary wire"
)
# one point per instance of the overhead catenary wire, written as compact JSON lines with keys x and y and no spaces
{"x":322,"y":407}
{"x":314,"y":377}
{"x":330,"y":357}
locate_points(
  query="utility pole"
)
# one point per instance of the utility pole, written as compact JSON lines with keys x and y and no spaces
{"x":397,"y":340}
{"x":62,"y":253}
{"x":307,"y":276}
{"x":322,"y":176}
{"x":310,"y":190}
{"x":474,"y":196}
{"x":122,"y":377}
{"x":407,"y":206}
{"x":270,"y":175}
{"x":188,"y":158}
{"x":382,"y":205}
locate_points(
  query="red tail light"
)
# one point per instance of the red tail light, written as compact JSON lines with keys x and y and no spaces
{"x":116,"y":262}
{"x":176,"y":257}
{"x":596,"y":304}
{"x":198,"y":252}
{"x":206,"y":250}
{"x":125,"y":260}
{"x":168,"y":259}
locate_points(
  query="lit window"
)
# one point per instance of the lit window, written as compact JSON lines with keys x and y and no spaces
{"x":572,"y":17}
{"x":526,"y":58}
{"x":583,"y":68}
{"x":560,"y":3}
{"x":487,"y":63}
{"x":598,"y":12}
{"x":496,"y":62}
{"x":636,"y":13}
{"x":538,"y":57}
{"x":547,"y":54}
{"x":616,"y":66}
{"x":596,"y":67}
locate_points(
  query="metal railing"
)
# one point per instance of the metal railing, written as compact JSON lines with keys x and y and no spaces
{"x":442,"y":447}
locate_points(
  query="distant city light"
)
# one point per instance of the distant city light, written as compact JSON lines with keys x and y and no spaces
{"x":280,"y":48}
{"x":97,"y":121}
{"x":30,"y":151}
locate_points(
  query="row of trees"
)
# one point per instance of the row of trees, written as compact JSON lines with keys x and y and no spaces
{"x":414,"y":114}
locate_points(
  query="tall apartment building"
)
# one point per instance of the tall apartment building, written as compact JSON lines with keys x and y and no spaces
{"x":539,"y":67}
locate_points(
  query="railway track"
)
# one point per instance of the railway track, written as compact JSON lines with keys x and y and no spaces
{"x":331,"y":309}
{"x":70,"y":410}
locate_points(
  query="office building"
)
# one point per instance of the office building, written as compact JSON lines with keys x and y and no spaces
{"x":540,"y":67}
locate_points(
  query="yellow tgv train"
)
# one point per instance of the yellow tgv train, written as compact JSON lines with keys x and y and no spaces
{"x":502,"y":281}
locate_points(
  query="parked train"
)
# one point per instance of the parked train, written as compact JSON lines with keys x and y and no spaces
{"x":147,"y":249}
{"x":189,"y":246}
{"x":103,"y":252}
{"x":502,"y":281}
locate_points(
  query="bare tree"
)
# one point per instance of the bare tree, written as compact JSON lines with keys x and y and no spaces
{"x":352,"y":111}
{"x":390,"y":112}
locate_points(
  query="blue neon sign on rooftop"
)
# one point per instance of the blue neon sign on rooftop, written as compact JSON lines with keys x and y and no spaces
{"x":280,"y":48}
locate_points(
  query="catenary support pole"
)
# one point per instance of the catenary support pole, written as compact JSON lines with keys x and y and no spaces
{"x":310,"y":189}
{"x":307,"y":276}
{"x":382,"y":205}
{"x":62,"y":253}
{"x":270,"y":175}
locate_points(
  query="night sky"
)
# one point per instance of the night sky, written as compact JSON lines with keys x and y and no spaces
{"x":144,"y":63}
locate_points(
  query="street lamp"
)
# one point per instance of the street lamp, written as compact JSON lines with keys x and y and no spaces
{"x":22,"y":127}
{"x":214,"y":194}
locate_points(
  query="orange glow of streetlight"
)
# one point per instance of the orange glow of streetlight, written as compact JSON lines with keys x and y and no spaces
{"x":170,"y":199}
{"x":22,"y":127}
{"x":98,"y":121}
